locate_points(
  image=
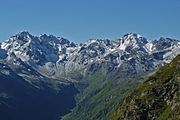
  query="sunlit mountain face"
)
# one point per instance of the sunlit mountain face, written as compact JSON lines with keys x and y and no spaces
{"x":46,"y":77}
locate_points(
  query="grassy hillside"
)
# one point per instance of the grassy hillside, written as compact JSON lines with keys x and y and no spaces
{"x":158,"y":98}
{"x":102,"y":96}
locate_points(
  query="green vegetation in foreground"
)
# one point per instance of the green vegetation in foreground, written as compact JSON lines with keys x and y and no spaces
{"x":101,"y":98}
{"x":158,"y":98}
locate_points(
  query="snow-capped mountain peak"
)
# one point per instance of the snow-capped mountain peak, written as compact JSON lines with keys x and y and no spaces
{"x":131,"y":35}
{"x":132,"y":41}
{"x":56,"y":56}
{"x":22,"y":36}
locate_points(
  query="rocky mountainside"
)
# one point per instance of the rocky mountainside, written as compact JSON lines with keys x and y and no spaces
{"x":96,"y":70}
{"x":25,"y":94}
{"x":33,"y":96}
{"x":55,"y":57}
{"x":158,"y":98}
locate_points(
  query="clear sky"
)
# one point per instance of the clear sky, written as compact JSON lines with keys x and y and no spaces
{"x":79,"y":20}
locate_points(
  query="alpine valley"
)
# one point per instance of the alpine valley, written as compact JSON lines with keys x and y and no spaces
{"x":49,"y":78}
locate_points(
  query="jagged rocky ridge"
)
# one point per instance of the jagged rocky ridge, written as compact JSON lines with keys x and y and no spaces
{"x":96,"y":67}
{"x":158,"y":98}
{"x":56,"y":57}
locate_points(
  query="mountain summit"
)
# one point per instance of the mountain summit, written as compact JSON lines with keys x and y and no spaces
{"x":50,"y":71}
{"x":56,"y":56}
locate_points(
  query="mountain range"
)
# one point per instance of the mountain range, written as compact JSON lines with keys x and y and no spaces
{"x":87,"y":80}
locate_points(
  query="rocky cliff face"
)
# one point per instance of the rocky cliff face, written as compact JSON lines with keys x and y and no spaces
{"x":158,"y":98}
{"x":55,"y":57}
{"x":103,"y":71}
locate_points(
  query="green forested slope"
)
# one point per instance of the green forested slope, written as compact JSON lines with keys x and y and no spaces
{"x":102,"y":95}
{"x":158,"y":98}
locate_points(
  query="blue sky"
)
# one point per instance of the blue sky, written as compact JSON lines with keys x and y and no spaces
{"x":79,"y":20}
